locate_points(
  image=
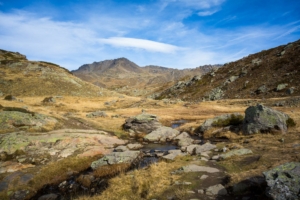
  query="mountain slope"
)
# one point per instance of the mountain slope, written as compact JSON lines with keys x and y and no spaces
{"x":126,"y":77}
{"x":18,"y":76}
{"x":269,"y":73}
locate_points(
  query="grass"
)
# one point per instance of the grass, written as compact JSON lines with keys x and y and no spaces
{"x":52,"y":173}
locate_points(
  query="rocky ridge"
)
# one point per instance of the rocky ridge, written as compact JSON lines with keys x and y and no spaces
{"x":269,"y":73}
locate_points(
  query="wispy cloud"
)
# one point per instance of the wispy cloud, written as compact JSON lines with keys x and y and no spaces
{"x":140,"y":43}
{"x":203,"y":4}
{"x":207,"y":13}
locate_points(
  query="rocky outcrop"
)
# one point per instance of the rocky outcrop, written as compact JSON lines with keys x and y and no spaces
{"x":260,"y":118}
{"x":127,"y":157}
{"x":13,"y":119}
{"x":36,"y":148}
{"x":215,"y":94}
{"x":162,"y":134}
{"x":141,"y":124}
{"x":284,"y":181}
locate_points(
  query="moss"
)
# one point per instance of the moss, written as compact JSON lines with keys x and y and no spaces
{"x":232,"y":120}
{"x":290,"y":122}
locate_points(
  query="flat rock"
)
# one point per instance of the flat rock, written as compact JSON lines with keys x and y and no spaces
{"x":129,"y":157}
{"x":121,"y":148}
{"x":197,"y":168}
{"x":49,"y":197}
{"x":162,"y":134}
{"x":134,"y":146}
{"x":173,"y":154}
{"x":235,"y":152}
{"x":216,"y":190}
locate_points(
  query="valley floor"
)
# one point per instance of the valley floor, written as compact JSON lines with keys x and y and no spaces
{"x":160,"y":180}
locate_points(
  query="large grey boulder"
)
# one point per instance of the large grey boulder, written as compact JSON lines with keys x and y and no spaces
{"x":162,"y":134}
{"x":128,"y":157}
{"x":196,"y":149}
{"x":284,"y":181}
{"x":220,"y":121}
{"x":184,"y":139}
{"x":143,"y":123}
{"x":260,"y":118}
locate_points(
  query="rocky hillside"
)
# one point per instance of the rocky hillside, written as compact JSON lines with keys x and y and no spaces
{"x":269,"y":73}
{"x":18,"y":76}
{"x":126,"y":77}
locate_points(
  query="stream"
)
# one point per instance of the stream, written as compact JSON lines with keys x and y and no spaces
{"x":70,"y":188}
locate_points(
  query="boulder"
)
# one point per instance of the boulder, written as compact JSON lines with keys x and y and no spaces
{"x":233,"y":78}
{"x":235,"y":152}
{"x":261,"y":89}
{"x":162,"y":134}
{"x":283,"y":181}
{"x":184,"y":139}
{"x":142,"y":124}
{"x":281,"y":86}
{"x":220,"y":121}
{"x":263,"y":119}
{"x":204,"y":148}
{"x":96,"y":114}
{"x":128,"y":157}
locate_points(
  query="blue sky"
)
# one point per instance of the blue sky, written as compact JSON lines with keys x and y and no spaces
{"x":170,"y":33}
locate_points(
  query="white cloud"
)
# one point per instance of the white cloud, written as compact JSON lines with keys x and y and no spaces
{"x":207,"y":13}
{"x":201,"y":4}
{"x":140,"y":43}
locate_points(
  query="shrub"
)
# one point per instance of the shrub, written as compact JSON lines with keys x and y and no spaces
{"x":290,"y":122}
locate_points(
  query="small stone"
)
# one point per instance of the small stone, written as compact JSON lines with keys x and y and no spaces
{"x":203,"y":177}
{"x":200,"y":191}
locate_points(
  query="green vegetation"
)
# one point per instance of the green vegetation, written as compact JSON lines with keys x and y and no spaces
{"x":290,"y":122}
{"x":233,"y":120}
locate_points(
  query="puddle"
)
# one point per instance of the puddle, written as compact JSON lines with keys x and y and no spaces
{"x":178,"y":123}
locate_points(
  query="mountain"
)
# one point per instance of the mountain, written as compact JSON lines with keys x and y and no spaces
{"x":19,"y":76}
{"x":269,"y":73}
{"x":126,"y":77}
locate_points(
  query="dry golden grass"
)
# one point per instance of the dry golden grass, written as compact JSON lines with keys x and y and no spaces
{"x":140,"y":184}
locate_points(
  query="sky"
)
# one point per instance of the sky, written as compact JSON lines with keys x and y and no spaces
{"x":170,"y":33}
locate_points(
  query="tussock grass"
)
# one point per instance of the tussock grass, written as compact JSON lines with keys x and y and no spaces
{"x":140,"y":184}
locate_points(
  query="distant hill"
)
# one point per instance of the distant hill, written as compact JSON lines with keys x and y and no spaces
{"x":19,"y":76}
{"x":269,"y":73}
{"x":126,"y":77}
